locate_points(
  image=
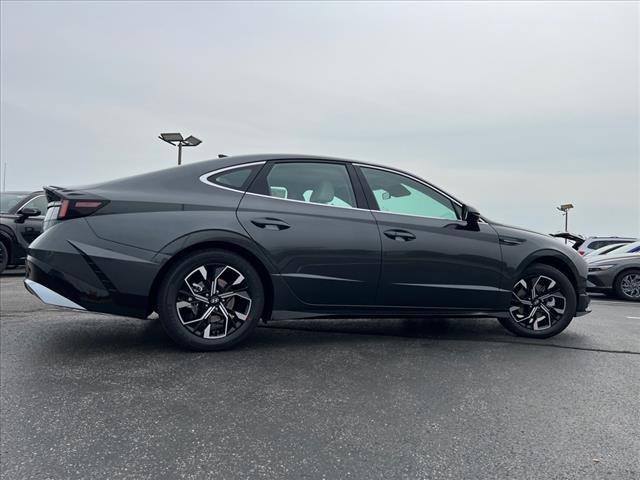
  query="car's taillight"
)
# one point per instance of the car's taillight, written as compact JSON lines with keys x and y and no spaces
{"x":79,"y":208}
{"x":581,"y":252}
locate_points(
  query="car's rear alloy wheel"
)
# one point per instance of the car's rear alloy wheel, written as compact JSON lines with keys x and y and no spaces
{"x":627,"y":285}
{"x":215,"y":301}
{"x":543,"y":303}
{"x":211,"y":301}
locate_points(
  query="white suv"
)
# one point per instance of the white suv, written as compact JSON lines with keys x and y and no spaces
{"x":593,"y":243}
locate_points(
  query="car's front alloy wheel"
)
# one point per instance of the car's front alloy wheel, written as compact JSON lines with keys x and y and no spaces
{"x":627,"y":285}
{"x":211,"y":300}
{"x":537,"y":302}
{"x":543,"y":303}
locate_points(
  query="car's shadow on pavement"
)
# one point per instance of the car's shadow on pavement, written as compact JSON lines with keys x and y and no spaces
{"x":120,"y":336}
{"x":17,"y":272}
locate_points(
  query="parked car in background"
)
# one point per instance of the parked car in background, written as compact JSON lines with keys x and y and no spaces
{"x":21,"y":217}
{"x":215,"y":246}
{"x":593,"y":243}
{"x":626,"y":248}
{"x":606,"y":249}
{"x":617,"y":273}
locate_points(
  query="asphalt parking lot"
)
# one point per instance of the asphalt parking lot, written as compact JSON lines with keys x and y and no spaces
{"x":92,"y":396}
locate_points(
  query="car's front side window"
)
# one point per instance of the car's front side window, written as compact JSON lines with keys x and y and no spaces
{"x":39,"y":203}
{"x":397,"y":193}
{"x":311,"y":182}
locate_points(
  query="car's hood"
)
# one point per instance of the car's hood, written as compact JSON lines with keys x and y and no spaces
{"x":613,"y":258}
{"x":515,"y":229}
{"x":523,"y":234}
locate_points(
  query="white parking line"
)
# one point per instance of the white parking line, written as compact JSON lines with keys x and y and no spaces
{"x":608,"y":302}
{"x":634,"y":318}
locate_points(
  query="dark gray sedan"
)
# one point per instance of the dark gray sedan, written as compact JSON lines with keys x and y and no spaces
{"x":215,"y":246}
{"x":615,"y":274}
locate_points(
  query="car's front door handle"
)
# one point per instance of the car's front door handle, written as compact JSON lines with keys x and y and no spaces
{"x":270,"y":223}
{"x":400,"y":235}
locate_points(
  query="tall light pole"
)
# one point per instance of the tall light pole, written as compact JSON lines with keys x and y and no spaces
{"x":176,"y":140}
{"x":4,"y":178}
{"x":564,"y":208}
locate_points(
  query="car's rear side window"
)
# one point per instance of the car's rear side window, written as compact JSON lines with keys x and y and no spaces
{"x":236,"y":179}
{"x":309,"y":182}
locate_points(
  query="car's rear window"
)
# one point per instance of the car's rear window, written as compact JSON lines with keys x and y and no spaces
{"x":603,"y":243}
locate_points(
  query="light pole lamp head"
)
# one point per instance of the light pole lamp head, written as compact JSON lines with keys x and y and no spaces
{"x":191,"y":141}
{"x":171,"y":138}
{"x":177,"y":140}
{"x":565,"y":207}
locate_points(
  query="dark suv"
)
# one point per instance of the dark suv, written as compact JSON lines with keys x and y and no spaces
{"x":21,"y":216}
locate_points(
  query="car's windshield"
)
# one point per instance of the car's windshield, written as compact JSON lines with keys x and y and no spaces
{"x":626,"y":248}
{"x":629,"y":248}
{"x":605,"y":249}
{"x":8,"y":200}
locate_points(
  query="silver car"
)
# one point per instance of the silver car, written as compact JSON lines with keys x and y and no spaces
{"x":617,"y":274}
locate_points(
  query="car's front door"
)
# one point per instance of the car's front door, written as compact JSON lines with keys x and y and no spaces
{"x":430,"y":258}
{"x":305,"y":215}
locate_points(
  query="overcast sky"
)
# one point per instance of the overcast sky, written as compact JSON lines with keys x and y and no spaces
{"x":512,"y":107}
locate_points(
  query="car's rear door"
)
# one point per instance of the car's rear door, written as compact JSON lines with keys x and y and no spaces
{"x":306,"y":215}
{"x":429,"y":257}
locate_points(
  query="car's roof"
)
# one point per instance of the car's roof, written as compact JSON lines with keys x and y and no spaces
{"x":624,"y":239}
{"x":264,"y":157}
{"x":207,"y":167}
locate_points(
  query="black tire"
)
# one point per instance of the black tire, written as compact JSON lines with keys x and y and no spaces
{"x":219,"y":263}
{"x":4,"y":256}
{"x":618,"y":286}
{"x":555,"y":322}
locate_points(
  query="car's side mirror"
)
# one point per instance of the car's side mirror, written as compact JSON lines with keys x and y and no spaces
{"x":471,"y":216}
{"x":25,"y":213}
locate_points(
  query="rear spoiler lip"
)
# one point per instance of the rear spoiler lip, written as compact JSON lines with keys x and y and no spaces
{"x":577,"y":239}
{"x":52,"y":193}
{"x":56,"y":194}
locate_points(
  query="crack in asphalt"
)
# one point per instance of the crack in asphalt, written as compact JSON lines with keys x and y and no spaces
{"x":478,"y":340}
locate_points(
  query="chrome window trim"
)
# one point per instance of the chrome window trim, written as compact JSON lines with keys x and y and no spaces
{"x":308,"y":203}
{"x":204,"y":178}
{"x":458,"y":220}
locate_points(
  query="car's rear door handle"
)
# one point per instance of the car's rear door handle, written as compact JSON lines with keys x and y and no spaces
{"x":270,"y":223}
{"x":400,"y":235}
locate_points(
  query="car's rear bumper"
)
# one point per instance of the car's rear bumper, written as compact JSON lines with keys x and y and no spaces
{"x":68,"y":266}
